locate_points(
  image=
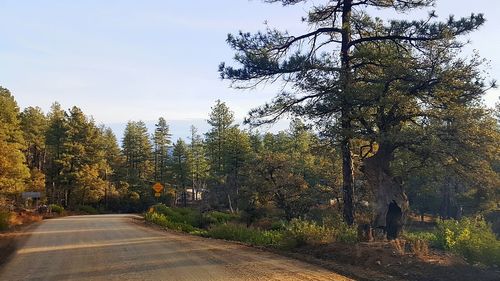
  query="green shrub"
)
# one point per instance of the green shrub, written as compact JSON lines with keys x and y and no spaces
{"x":160,"y":208}
{"x":278,"y":225}
{"x":471,"y":238}
{"x":346,"y":234}
{"x":56,"y":208}
{"x":207,"y":220}
{"x":87,"y":209}
{"x":216,"y":217}
{"x":296,"y":233}
{"x":164,"y":221}
{"x":179,"y":215}
{"x":199,"y":232}
{"x":221,"y":217}
{"x":186,"y":215}
{"x":156,"y":218}
{"x":308,"y":232}
{"x":283,"y":235}
{"x":427,"y":236}
{"x":179,"y":226}
{"x":4,"y":220}
{"x":342,"y":232}
{"x":238,"y":232}
{"x":193,"y":217}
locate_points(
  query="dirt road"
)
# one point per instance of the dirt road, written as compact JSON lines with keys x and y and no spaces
{"x":112,"y":247}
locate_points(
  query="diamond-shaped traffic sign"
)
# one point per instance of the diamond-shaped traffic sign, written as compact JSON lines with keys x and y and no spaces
{"x":158,"y":187}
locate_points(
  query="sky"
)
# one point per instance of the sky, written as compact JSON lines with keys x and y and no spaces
{"x":122,"y":60}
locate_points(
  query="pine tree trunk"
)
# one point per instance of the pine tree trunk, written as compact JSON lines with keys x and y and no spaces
{"x":391,"y":203}
{"x":347,"y":167}
{"x":449,"y":207}
{"x":348,"y":183}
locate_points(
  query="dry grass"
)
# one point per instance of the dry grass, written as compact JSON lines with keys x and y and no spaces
{"x":23,"y":218}
{"x":420,"y":248}
{"x":399,"y":245}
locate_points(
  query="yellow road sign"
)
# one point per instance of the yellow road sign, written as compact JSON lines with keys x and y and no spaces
{"x":157,"y":194}
{"x":158,"y":187}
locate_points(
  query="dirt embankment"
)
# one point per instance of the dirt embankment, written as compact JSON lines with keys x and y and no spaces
{"x":382,"y":261}
{"x":397,"y":261}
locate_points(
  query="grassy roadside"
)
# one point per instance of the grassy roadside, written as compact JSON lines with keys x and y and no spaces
{"x":277,"y":235}
{"x":469,"y":238}
{"x":417,"y":256}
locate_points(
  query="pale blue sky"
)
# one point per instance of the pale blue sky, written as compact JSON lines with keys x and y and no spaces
{"x":125,"y":60}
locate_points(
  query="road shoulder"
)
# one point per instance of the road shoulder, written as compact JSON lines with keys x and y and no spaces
{"x":348,"y":271}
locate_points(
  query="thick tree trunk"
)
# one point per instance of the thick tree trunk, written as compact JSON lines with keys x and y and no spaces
{"x":347,"y":167}
{"x":449,"y":207}
{"x":391,"y":203}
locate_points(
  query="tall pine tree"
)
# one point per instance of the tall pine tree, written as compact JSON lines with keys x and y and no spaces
{"x":13,"y":171}
{"x":161,"y":144}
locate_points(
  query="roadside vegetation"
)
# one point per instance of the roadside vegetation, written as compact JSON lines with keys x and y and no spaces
{"x":56,"y":209}
{"x":278,"y":234}
{"x":471,"y":238}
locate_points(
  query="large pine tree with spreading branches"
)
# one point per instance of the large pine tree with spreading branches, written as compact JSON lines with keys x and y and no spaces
{"x":317,"y":67}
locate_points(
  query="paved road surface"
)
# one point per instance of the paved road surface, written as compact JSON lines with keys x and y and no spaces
{"x":113,"y":247}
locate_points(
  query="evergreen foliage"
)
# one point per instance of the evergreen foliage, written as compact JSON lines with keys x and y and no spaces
{"x":13,"y":172}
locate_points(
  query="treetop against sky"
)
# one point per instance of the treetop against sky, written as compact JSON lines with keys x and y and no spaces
{"x":129,"y":60}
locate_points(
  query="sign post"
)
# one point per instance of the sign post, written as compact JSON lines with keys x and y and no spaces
{"x":33,"y":196}
{"x":157,"y":187}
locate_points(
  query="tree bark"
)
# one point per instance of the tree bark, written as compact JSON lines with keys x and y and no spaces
{"x":347,"y":167}
{"x":449,"y":207}
{"x":391,"y":202}
{"x":348,"y":182}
